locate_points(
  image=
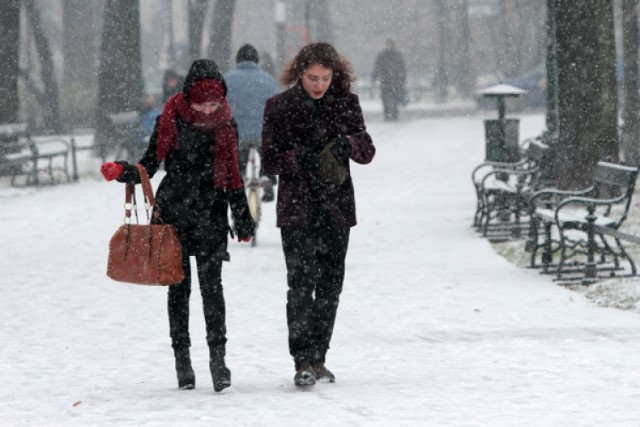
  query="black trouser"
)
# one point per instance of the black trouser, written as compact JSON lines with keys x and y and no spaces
{"x":390,"y":104}
{"x":315,"y":272}
{"x":209,"y":276}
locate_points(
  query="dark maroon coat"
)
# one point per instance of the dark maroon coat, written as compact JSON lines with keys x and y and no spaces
{"x":294,"y":122}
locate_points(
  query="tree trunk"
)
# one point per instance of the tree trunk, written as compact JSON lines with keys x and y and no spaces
{"x":51,"y":107}
{"x":320,"y":20}
{"x":220,"y":36}
{"x":120,"y":83}
{"x":441,"y":80}
{"x":466,"y":81}
{"x":552,"y":71}
{"x":631,"y":112}
{"x":80,"y":55}
{"x":587,"y":99}
{"x":9,"y":51}
{"x":197,"y":13}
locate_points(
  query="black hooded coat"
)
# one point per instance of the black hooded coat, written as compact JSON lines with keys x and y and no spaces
{"x":186,"y":196}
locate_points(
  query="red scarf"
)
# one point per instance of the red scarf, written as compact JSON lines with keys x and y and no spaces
{"x":225,"y":165}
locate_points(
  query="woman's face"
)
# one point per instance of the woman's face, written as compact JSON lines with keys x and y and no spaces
{"x":205,"y":107}
{"x":316,"y":79}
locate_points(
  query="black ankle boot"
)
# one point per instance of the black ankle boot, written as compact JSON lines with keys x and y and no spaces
{"x":219,"y":372}
{"x":186,"y":376}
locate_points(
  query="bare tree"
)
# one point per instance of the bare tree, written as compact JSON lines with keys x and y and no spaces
{"x":9,"y":52}
{"x":80,"y":56}
{"x":51,"y":105}
{"x":319,"y":20}
{"x":197,"y":14}
{"x":463,"y":73}
{"x":220,"y":35}
{"x":631,"y":112}
{"x":587,"y":99}
{"x":441,"y":80}
{"x":120,"y":82}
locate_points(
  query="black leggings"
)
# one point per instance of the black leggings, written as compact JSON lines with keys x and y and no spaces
{"x":315,"y":271}
{"x":209,"y":276}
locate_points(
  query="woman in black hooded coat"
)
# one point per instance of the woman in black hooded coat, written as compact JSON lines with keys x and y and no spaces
{"x":196,"y":137}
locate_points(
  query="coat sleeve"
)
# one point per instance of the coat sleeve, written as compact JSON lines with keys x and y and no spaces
{"x":228,"y":153}
{"x":149,"y":160}
{"x":362,"y":148}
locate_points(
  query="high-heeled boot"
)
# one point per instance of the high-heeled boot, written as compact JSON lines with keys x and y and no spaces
{"x":219,"y":372}
{"x":186,"y":376}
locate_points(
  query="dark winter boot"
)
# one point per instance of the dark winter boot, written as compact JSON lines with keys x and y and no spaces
{"x":219,"y":372}
{"x":323,"y":375}
{"x":186,"y":376}
{"x":305,"y":375}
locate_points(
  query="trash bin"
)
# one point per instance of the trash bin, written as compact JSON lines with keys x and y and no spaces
{"x":502,"y":135}
{"x":501,"y":138}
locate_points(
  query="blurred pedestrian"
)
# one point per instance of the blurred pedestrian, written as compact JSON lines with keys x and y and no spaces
{"x":389,"y":68}
{"x":148,"y":116}
{"x":248,"y":88}
{"x":196,"y":139}
{"x":310,"y":133}
{"x":171,"y":84}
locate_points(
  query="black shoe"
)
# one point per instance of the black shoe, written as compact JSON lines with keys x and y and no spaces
{"x":220,"y":374}
{"x":304,"y":376}
{"x":186,"y":376}
{"x":268,"y":195}
{"x":323,"y":375}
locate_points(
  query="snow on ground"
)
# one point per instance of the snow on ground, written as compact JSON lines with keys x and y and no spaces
{"x":434,"y":327}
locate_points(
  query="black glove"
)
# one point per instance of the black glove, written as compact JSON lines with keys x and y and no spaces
{"x":244,"y":224}
{"x":308,"y":160}
{"x":341,"y":148}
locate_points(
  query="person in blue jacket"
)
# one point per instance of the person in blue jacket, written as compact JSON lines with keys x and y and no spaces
{"x":148,"y":116}
{"x":248,"y":88}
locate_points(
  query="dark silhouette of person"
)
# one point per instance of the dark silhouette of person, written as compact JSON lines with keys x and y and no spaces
{"x":390,"y":69}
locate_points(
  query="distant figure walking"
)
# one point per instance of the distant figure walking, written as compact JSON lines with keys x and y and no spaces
{"x":390,"y":69}
{"x":248,"y":88}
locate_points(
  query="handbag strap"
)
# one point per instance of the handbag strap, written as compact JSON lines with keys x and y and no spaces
{"x":130,"y":203}
{"x":147,"y":191}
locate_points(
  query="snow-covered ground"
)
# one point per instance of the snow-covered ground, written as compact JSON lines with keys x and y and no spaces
{"x":434,"y":327}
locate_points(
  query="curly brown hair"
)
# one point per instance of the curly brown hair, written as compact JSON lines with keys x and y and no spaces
{"x":325,"y":55}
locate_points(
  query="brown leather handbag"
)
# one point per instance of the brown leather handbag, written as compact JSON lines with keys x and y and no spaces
{"x":144,"y":254}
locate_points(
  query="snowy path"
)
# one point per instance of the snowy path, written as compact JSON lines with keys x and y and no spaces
{"x":434,"y":328}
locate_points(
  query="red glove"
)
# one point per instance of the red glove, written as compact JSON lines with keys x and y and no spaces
{"x":244,"y":239}
{"x":111,"y":170}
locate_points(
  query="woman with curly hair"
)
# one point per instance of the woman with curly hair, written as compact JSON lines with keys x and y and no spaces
{"x":310,"y":132}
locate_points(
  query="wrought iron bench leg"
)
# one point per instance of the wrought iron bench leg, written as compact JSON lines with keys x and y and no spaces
{"x":590,"y":269}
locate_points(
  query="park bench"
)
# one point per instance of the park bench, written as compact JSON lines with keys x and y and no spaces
{"x":32,"y":161}
{"x":575,"y":234}
{"x":503,"y":190}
